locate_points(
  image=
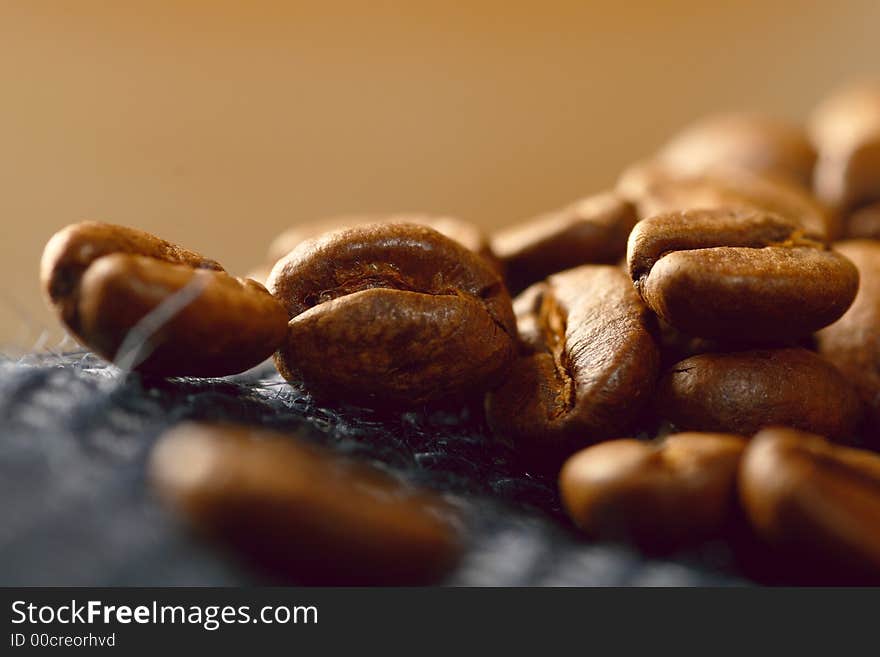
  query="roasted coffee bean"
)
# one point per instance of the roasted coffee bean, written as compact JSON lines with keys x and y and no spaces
{"x":846,"y":131}
{"x":657,"y":188}
{"x":864,"y":222}
{"x":659,"y":495}
{"x":752,"y":141}
{"x":467,"y":234}
{"x":743,"y":392}
{"x":74,"y":248}
{"x":815,"y":502}
{"x":301,"y":512}
{"x":853,"y":342}
{"x":590,"y":231}
{"x":738,"y":274}
{"x":591,"y":363}
{"x":392,"y":314}
{"x":109,"y":283}
{"x":228,"y":324}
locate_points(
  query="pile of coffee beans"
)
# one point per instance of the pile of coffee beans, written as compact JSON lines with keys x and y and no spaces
{"x":695,"y":352}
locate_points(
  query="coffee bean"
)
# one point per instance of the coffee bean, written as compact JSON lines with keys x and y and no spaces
{"x":659,"y":495}
{"x":853,"y":342}
{"x":301,"y":512}
{"x":109,"y":283}
{"x":846,"y":131}
{"x":743,"y":392}
{"x":467,"y":234}
{"x":228,"y":325}
{"x":816,"y":502}
{"x":74,"y":248}
{"x":864,"y":222}
{"x":752,"y":141}
{"x":590,"y":366}
{"x":738,"y":274}
{"x":657,"y":188}
{"x":590,"y":231}
{"x":392,"y":314}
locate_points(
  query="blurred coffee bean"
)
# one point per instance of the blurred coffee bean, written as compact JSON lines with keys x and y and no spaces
{"x":815,"y":503}
{"x":658,"y":495}
{"x":392,"y":314}
{"x":590,"y":231}
{"x":302,"y":513}
{"x":738,"y":274}
{"x":590,"y":365}
{"x":864,"y":223}
{"x":657,"y":188}
{"x":745,"y":391}
{"x":845,"y":129}
{"x":853,"y":342}
{"x":755,"y":142}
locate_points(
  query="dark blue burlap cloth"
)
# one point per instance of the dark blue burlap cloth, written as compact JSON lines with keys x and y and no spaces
{"x":77,"y":510}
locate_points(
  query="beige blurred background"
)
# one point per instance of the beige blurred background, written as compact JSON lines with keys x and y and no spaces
{"x":218,"y":124}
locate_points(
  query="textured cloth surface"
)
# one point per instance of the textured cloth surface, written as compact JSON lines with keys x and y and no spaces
{"x":77,"y":510}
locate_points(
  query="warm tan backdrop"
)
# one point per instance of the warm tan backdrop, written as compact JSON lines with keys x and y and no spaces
{"x":217,"y":124}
